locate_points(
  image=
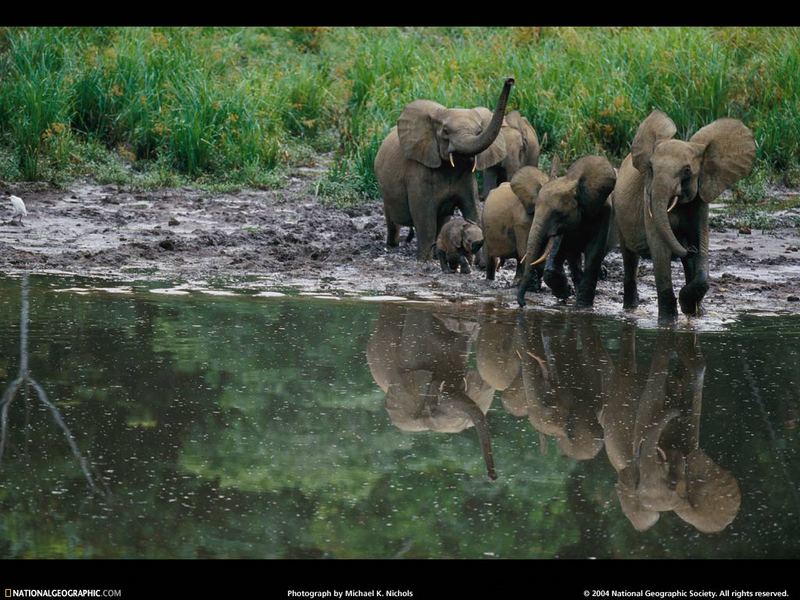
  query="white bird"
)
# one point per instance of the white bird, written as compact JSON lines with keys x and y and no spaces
{"x":19,"y":209}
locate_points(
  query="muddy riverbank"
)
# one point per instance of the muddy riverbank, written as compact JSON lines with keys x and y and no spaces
{"x":288,"y":238}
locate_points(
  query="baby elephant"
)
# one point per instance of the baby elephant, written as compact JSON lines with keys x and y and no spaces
{"x":507,"y":219}
{"x":458,"y":241}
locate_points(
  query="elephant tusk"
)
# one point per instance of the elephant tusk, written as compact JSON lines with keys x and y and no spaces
{"x":661,"y":453}
{"x":519,"y":356}
{"x":649,"y":204}
{"x":544,"y":256}
{"x":465,"y":384}
{"x":674,"y":202}
{"x":474,"y":164}
{"x":452,"y":164}
{"x":522,"y":260}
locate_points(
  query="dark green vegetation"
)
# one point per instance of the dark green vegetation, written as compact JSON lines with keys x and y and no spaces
{"x":253,"y":428}
{"x":219,"y":106}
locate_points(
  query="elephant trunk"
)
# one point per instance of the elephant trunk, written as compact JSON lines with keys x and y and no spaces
{"x":536,"y":239}
{"x":660,"y":471}
{"x":656,"y":206}
{"x":465,"y":405}
{"x":481,"y":142}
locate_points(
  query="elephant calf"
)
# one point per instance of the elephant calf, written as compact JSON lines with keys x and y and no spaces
{"x":458,"y":241}
{"x":661,"y":203}
{"x":507,"y":218}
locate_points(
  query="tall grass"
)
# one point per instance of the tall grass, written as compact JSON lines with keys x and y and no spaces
{"x":233,"y":104}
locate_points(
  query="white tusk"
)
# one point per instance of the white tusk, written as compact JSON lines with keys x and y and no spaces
{"x":649,"y":202}
{"x":474,"y":164}
{"x":674,"y":202}
{"x":452,"y":164}
{"x":661,"y":453}
{"x":544,"y":256}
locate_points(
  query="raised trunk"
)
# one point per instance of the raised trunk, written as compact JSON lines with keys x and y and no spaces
{"x":464,"y":404}
{"x":658,"y":204}
{"x":481,"y":142}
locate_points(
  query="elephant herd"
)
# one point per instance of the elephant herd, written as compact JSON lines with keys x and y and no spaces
{"x":440,"y":372}
{"x":654,"y":206}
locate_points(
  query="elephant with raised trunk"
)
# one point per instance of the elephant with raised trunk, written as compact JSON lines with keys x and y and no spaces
{"x":572,"y":218}
{"x":425,"y":167}
{"x":652,"y":436}
{"x":661,"y":203}
{"x":419,"y":359}
{"x":522,"y":150}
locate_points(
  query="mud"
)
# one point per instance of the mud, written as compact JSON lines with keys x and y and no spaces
{"x":272,"y":240}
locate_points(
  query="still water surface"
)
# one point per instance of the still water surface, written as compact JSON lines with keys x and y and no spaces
{"x":144,"y":425}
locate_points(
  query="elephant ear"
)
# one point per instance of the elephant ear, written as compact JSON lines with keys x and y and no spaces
{"x":596,"y":179}
{"x":526,"y":184}
{"x":409,"y":401}
{"x":729,"y":154}
{"x":655,"y":128}
{"x":714,"y":497}
{"x":496,"y":152}
{"x":530,"y":141}
{"x":416,"y":129}
{"x":555,"y":165}
{"x":641,"y":518}
{"x":480,"y":392}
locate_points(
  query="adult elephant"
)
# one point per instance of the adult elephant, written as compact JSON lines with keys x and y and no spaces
{"x":563,"y":375}
{"x":573,"y":217}
{"x":522,"y":150}
{"x":419,"y":359}
{"x":661,"y":203}
{"x":425,"y":166}
{"x":652,"y":433}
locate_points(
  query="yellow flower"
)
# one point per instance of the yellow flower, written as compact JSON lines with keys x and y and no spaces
{"x":116,"y":90}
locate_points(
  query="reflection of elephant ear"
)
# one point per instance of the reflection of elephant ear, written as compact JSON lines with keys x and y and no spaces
{"x":480,"y":392}
{"x":498,"y":364}
{"x":416,"y":129}
{"x":411,"y":401}
{"x":641,"y":518}
{"x":596,"y":179}
{"x":514,"y":399}
{"x":496,"y":152}
{"x":583,"y":440}
{"x":526,"y":184}
{"x":714,"y":496}
{"x":655,"y":128}
{"x":729,"y":154}
{"x":530,"y":141}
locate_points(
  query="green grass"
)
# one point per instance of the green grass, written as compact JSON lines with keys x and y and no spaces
{"x":239,"y":106}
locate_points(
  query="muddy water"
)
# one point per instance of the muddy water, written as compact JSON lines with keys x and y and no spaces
{"x":153,"y":422}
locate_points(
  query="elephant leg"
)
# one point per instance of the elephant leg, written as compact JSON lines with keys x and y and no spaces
{"x":695,"y":267}
{"x":630,"y":262}
{"x":443,"y":261}
{"x":535,"y":284}
{"x":594,"y":253}
{"x":468,"y":203}
{"x":491,"y":266}
{"x":667,"y":303}
{"x":464,"y":264}
{"x":392,"y":233}
{"x":575,"y":269}
{"x":410,"y":235}
{"x":554,"y":275}
{"x":424,"y":217}
{"x":480,"y":258}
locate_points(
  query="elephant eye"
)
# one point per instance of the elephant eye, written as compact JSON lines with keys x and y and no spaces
{"x":686,"y":172}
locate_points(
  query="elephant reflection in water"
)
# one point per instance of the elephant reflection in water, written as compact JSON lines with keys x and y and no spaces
{"x":419,"y":359}
{"x":550,"y":372}
{"x":652,"y":432}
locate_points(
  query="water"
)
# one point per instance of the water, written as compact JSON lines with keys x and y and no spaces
{"x":276,"y":427}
